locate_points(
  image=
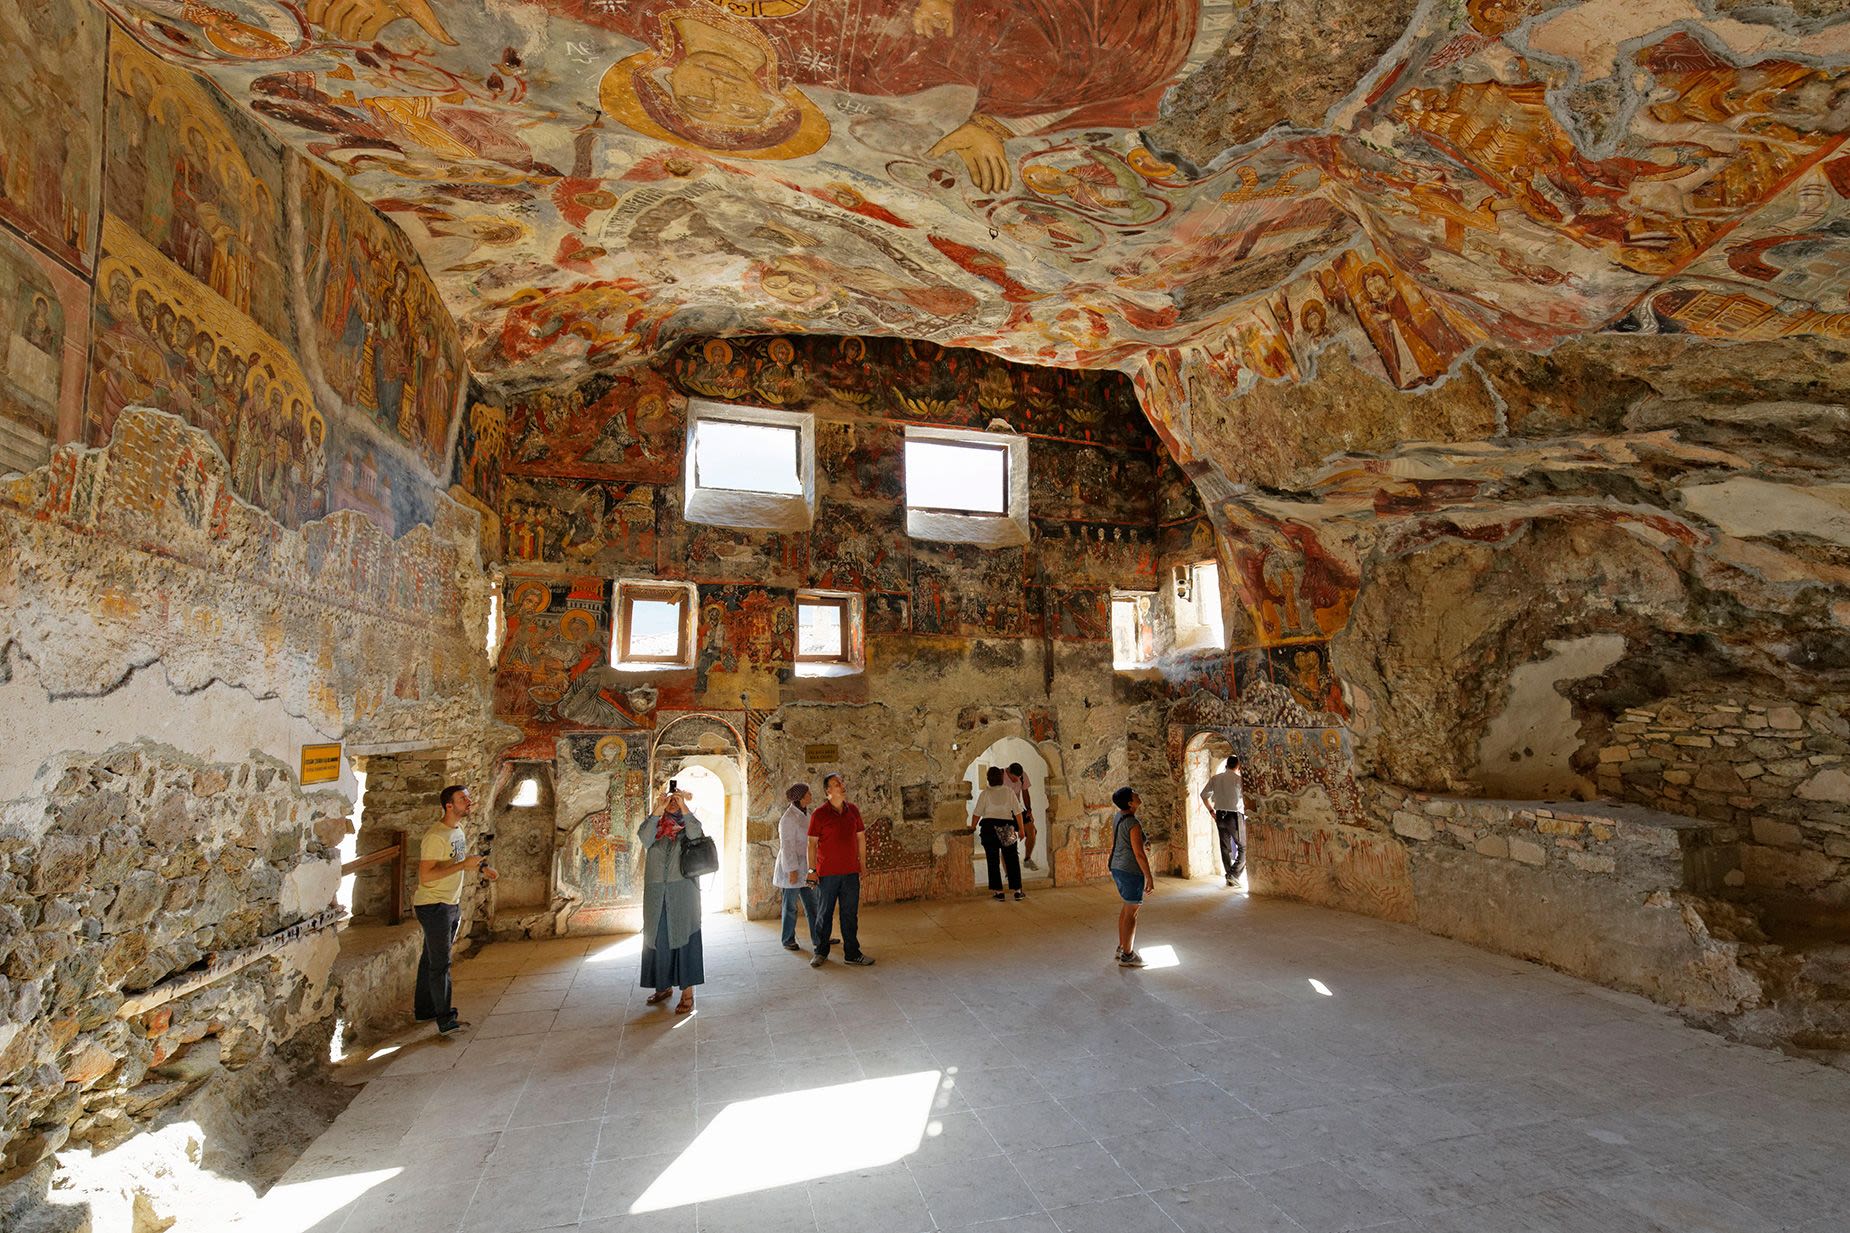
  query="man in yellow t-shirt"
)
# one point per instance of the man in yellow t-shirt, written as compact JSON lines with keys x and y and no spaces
{"x":438,"y":903}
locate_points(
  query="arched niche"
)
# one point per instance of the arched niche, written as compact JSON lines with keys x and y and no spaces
{"x":523,"y":822}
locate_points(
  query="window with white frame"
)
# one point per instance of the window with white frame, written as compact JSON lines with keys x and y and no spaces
{"x":749,"y":467}
{"x":1133,"y":629}
{"x":829,"y":638}
{"x":1197,"y":607}
{"x":966,"y":487}
{"x":654,"y":625}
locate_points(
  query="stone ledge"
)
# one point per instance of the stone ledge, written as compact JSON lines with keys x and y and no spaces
{"x":373,"y":976}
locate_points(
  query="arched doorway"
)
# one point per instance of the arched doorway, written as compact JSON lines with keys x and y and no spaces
{"x":1002,"y":753}
{"x":714,"y":803}
{"x":1207,"y":755}
{"x":705,"y":757}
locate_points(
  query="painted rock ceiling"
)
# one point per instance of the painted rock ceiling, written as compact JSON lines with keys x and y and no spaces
{"x":1207,"y":193}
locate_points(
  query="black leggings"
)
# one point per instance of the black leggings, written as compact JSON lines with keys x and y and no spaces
{"x":999,"y":854}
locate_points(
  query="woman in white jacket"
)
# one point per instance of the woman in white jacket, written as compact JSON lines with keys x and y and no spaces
{"x":791,"y":873}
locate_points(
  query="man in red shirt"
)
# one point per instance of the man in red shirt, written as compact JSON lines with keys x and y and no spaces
{"x":837,"y":850}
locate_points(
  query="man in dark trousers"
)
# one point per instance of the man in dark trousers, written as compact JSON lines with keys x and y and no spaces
{"x":438,"y":904}
{"x":837,"y":853}
{"x":1225,"y":796}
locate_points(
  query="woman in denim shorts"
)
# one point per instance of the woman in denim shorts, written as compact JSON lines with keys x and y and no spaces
{"x":1130,"y":869}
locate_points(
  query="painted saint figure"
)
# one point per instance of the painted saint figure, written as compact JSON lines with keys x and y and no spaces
{"x":722,"y":83}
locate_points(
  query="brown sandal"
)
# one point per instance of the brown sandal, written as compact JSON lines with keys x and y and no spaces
{"x":659,"y":996}
{"x":686,"y":1003}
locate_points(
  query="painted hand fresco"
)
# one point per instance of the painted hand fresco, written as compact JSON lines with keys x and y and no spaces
{"x":589,"y":180}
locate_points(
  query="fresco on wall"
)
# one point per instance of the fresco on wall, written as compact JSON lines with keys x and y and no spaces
{"x":907,"y":379}
{"x":481,"y":451}
{"x":51,"y":107}
{"x":198,"y":181}
{"x":581,"y":524}
{"x":161,"y":340}
{"x":381,"y":338}
{"x":1005,"y":177}
{"x":624,"y":425}
{"x":44,"y":333}
{"x":746,"y":634}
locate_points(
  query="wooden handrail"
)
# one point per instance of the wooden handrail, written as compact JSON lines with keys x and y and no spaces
{"x":395,"y":853}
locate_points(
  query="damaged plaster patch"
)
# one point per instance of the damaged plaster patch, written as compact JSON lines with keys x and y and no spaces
{"x":1525,"y":751}
{"x":215,"y":723}
{"x":1752,"y":508}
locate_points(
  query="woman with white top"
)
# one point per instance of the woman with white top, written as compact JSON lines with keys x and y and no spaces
{"x":997,"y":812}
{"x":791,"y":873}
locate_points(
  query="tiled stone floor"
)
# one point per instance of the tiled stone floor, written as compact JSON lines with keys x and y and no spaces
{"x":1434,"y":1089}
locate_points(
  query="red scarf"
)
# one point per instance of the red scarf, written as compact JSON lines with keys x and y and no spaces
{"x":665,"y":828}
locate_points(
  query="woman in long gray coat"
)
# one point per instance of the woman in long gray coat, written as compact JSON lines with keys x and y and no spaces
{"x":671,"y":952}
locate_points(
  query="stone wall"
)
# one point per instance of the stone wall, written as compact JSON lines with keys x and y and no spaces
{"x":166,"y":650}
{"x":133,"y":872}
{"x":1773,"y":776}
{"x":1598,"y":574}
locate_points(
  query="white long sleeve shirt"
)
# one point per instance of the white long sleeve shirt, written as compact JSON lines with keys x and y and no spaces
{"x":792,"y":848}
{"x":1225,"y":792}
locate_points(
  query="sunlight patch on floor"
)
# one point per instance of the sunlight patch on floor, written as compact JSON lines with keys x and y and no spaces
{"x":772,"y":1141}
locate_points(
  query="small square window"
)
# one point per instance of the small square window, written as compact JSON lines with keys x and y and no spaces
{"x":654,"y":625}
{"x":1198,"y":613}
{"x":966,"y":487}
{"x":957,"y":477}
{"x":737,"y":456}
{"x":1133,"y":631}
{"x":829,"y":637}
{"x":749,"y":467}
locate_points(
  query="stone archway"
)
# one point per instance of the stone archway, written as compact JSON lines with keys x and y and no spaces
{"x":1001,"y":752}
{"x":1207,"y":753}
{"x":708,"y":745}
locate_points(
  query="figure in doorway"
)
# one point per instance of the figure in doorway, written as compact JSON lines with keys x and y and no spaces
{"x":671,"y":948}
{"x":438,"y":904}
{"x":996,"y":813}
{"x":1018,"y":783}
{"x":791,"y":873}
{"x":1130,"y":869}
{"x":1225,"y":797}
{"x":837,"y":854}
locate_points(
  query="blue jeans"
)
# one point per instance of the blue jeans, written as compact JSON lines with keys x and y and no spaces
{"x":843,"y":889}
{"x":432,"y":998}
{"x":793,"y":895}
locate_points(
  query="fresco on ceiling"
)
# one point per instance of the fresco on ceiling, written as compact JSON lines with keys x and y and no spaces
{"x":381,"y":338}
{"x":48,"y":170}
{"x":44,"y":333}
{"x":589,"y":180}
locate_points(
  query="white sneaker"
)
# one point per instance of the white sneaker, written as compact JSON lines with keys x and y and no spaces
{"x":1130,"y":959}
{"x":1030,"y":864}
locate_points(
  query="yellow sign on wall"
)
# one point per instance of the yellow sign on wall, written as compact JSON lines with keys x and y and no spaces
{"x":320,"y":763}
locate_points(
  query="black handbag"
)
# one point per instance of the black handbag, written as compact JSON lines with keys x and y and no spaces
{"x":699,"y":857}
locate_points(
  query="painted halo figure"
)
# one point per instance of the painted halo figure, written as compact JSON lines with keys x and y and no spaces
{"x":671,"y":948}
{"x":729,"y":79}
